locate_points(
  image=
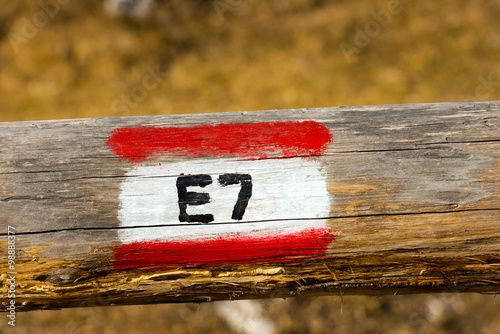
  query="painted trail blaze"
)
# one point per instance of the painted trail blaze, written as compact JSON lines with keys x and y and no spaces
{"x":222,"y":194}
{"x":254,"y":140}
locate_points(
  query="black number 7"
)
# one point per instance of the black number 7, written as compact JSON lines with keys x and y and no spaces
{"x":245,"y":192}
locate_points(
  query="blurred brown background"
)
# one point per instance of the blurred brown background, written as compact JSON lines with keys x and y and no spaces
{"x":71,"y":59}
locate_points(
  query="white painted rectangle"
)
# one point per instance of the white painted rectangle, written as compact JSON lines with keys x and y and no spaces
{"x":282,"y":189}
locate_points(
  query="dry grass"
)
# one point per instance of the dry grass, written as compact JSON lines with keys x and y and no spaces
{"x":263,"y":55}
{"x":436,"y":314}
{"x":268,"y":55}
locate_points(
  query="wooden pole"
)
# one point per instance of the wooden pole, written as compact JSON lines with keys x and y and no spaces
{"x":192,"y":208}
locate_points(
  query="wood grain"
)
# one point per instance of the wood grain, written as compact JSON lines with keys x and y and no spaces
{"x":415,"y":208}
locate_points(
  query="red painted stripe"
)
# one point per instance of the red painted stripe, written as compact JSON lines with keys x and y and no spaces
{"x":250,"y":140}
{"x":161,"y":255}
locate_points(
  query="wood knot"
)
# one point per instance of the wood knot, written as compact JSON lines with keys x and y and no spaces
{"x":58,"y":277}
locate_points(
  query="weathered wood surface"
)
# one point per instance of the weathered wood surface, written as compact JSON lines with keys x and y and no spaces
{"x":414,"y":193}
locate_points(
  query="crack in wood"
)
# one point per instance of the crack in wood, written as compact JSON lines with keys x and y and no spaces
{"x":253,"y":221}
